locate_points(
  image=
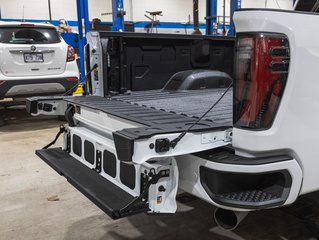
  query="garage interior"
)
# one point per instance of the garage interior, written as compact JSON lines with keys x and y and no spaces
{"x":37,"y":203}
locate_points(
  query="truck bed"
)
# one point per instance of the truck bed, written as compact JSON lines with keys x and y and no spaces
{"x":159,"y":112}
{"x":192,"y":103}
{"x":164,"y":112}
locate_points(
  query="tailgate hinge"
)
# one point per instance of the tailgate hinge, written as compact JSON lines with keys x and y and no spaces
{"x":140,"y":203}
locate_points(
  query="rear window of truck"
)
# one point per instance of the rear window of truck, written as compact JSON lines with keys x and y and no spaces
{"x":28,"y":35}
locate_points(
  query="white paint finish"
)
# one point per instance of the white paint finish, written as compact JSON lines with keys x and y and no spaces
{"x":167,"y":203}
{"x":106,"y":124}
{"x":296,"y":124}
{"x":106,"y":144}
{"x":190,"y":143}
{"x":281,"y":4}
{"x":189,"y":180}
{"x":212,"y":137}
{"x":163,"y":202}
{"x":13,"y":62}
{"x":103,"y":121}
{"x":59,"y":106}
{"x":33,"y":89}
{"x":96,"y":58}
{"x":12,"y":55}
{"x":54,"y":65}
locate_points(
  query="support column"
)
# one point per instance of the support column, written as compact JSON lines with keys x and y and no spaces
{"x":118,"y":15}
{"x":211,"y":15}
{"x":234,"y":5}
{"x":83,"y":28}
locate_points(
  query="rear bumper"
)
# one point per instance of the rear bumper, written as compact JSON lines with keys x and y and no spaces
{"x":31,"y":87}
{"x":238,"y":183}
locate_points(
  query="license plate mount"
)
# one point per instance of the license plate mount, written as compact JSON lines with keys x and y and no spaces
{"x":33,"y":57}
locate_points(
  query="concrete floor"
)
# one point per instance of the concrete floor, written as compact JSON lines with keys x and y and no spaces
{"x":26,"y":183}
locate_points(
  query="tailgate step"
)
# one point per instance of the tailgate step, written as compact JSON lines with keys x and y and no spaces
{"x":249,"y":196}
{"x":103,"y":193}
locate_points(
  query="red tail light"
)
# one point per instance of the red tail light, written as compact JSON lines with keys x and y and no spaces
{"x":72,"y":78}
{"x":261,"y":68}
{"x":71,"y":54}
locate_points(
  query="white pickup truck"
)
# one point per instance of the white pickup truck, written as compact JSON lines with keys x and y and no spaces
{"x":241,"y":145}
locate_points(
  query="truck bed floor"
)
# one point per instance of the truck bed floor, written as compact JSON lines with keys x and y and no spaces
{"x":164,"y":112}
{"x":190,"y":103}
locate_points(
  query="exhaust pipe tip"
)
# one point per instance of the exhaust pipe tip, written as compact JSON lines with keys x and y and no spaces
{"x":228,"y":219}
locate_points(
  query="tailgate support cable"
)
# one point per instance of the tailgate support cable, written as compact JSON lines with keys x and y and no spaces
{"x":95,"y":66}
{"x":61,"y":130}
{"x":176,"y":140}
{"x":69,"y":117}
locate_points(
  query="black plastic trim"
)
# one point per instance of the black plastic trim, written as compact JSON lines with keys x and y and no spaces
{"x":109,"y":163}
{"x":31,"y":106}
{"x":198,"y":79}
{"x":220,"y":199}
{"x":89,"y":151}
{"x":226,"y":155}
{"x":5,"y":87}
{"x":124,"y":146}
{"x":128,"y":174}
{"x":106,"y":34}
{"x":77,"y":145}
{"x":103,"y":193}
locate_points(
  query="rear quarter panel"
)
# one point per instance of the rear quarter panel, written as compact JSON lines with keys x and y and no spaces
{"x":295,"y":127}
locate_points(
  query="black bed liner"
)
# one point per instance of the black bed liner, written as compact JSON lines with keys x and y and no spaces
{"x":141,"y":61}
{"x":193,"y":103}
{"x":164,"y":112}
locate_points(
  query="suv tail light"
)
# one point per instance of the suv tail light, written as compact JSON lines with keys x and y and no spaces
{"x":72,"y":79}
{"x":71,"y":54}
{"x":261,"y":68}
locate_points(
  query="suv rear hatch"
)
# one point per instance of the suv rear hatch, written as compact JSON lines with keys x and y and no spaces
{"x":28,"y":50}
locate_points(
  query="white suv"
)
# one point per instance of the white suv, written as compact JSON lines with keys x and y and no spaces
{"x":34,"y":60}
